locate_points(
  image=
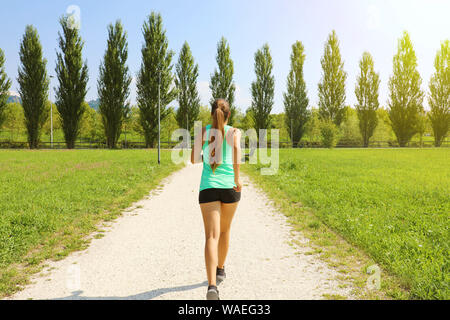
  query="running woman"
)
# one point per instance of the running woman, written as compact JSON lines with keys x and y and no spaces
{"x":220,"y":189}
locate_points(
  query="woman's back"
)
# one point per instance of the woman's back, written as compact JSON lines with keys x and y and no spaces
{"x":223,"y":175}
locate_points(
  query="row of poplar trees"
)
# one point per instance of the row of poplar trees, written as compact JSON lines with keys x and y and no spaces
{"x":405,"y":103}
{"x":113,"y":84}
{"x":33,"y":80}
{"x":155,"y":80}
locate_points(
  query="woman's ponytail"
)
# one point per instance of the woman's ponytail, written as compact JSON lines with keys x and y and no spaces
{"x":219,"y":121}
{"x":220,"y":113}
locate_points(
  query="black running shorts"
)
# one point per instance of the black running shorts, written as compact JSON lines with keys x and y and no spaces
{"x":222,"y":195}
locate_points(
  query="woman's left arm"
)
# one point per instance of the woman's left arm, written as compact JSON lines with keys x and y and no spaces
{"x":196,"y":153}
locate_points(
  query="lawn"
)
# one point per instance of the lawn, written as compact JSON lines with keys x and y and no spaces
{"x":50,"y":200}
{"x":392,"y":203}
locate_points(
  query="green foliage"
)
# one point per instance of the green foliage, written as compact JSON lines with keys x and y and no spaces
{"x":405,"y":96}
{"x":350,"y":128}
{"x":296,"y":99}
{"x":328,"y":133}
{"x":33,"y":85}
{"x":133,"y":120}
{"x":204,"y":115}
{"x":366,"y":92}
{"x":439,"y":98}
{"x":392,"y":203}
{"x":73,"y":76}
{"x":169,"y":125}
{"x":278,"y":121}
{"x":5,"y":84}
{"x":238,"y":117}
{"x":155,"y":75}
{"x":332,"y":84}
{"x":14,"y":121}
{"x":186,"y":82}
{"x":383,"y":131}
{"x":46,"y":129}
{"x":422,"y":125}
{"x":313,"y":126}
{"x":222,"y":84}
{"x":247,"y":121}
{"x":263,"y":89}
{"x":113,"y":85}
{"x":91,"y":125}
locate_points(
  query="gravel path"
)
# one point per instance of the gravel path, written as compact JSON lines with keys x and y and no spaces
{"x":155,"y":251}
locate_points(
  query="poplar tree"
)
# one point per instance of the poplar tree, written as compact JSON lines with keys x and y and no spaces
{"x":155,"y":71}
{"x":113,"y":85}
{"x":332,"y":85}
{"x":222,"y":84}
{"x":186,"y":82}
{"x":439,"y":98}
{"x":5,"y":84}
{"x":72,"y":74}
{"x":33,"y":85}
{"x":262,"y":89}
{"x":366,"y":91}
{"x":405,"y":94}
{"x":295,"y":99}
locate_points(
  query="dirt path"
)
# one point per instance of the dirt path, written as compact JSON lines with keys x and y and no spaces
{"x":155,"y":251}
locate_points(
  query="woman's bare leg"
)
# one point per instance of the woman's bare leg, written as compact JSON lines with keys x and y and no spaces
{"x":226,"y":217}
{"x":211,"y":221}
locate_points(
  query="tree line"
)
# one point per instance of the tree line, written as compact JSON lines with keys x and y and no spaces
{"x":157,"y":81}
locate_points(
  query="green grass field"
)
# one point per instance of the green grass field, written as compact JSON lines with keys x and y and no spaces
{"x":50,"y":200}
{"x":392,"y":203}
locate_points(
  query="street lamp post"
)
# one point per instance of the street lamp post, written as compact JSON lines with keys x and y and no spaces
{"x":51,"y":121}
{"x":187,"y":128}
{"x":51,"y":124}
{"x":159,"y":115}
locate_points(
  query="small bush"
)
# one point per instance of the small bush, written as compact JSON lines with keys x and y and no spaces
{"x":328,"y":134}
{"x":13,"y":145}
{"x":309,"y":144}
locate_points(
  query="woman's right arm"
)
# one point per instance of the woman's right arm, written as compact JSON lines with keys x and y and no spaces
{"x":237,"y":159}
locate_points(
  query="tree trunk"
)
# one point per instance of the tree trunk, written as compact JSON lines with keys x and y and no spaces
{"x":70,"y":144}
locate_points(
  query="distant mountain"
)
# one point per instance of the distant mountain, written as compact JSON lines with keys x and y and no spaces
{"x":12,"y":98}
{"x":94,"y":104}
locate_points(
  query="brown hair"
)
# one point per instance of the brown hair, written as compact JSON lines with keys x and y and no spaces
{"x":220,"y":111}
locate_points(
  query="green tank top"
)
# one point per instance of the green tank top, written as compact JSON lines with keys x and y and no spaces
{"x":223,"y":176}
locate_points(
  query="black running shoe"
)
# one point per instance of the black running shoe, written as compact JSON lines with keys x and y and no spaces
{"x":220,"y":275}
{"x":213,"y":293}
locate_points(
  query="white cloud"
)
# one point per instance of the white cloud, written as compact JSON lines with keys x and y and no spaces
{"x":14,"y":93}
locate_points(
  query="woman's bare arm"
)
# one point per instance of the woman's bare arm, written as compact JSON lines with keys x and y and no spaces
{"x":237,"y":159}
{"x":196,"y":153}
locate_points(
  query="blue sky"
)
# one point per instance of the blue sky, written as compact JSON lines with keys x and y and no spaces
{"x":361,"y":25}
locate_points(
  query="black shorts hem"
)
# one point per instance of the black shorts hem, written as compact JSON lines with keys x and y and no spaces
{"x":216,"y":194}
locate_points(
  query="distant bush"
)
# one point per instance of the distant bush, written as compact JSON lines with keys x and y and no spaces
{"x":328,"y":134}
{"x":13,"y":145}
{"x":309,"y":144}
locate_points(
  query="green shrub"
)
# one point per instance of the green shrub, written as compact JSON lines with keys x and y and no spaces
{"x":328,"y":134}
